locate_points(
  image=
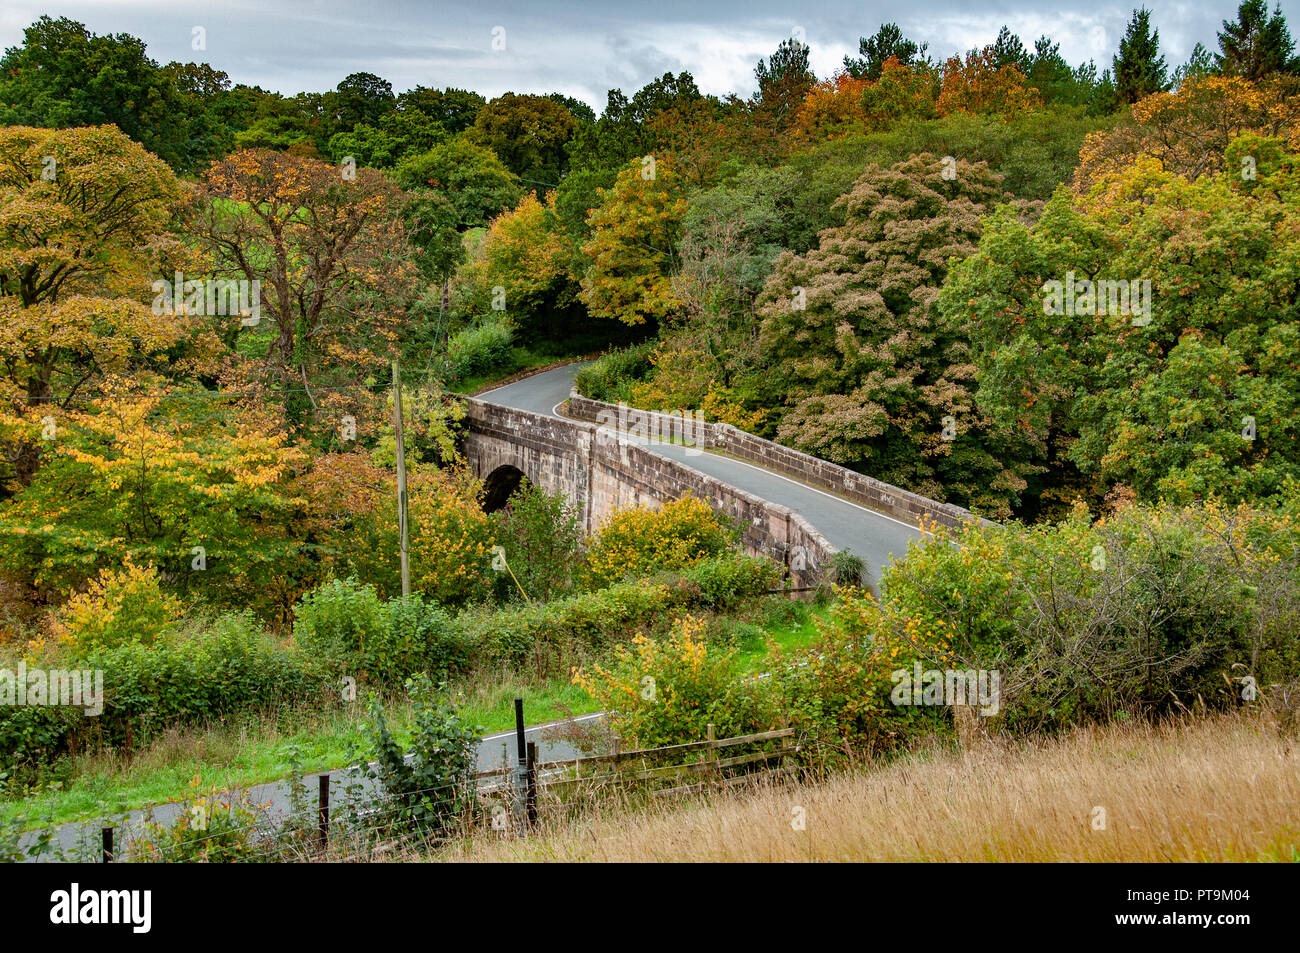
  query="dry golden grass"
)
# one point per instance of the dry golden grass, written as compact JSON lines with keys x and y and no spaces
{"x":1215,"y":789}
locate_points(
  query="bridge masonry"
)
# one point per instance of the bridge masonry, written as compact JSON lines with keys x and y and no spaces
{"x":601,"y":474}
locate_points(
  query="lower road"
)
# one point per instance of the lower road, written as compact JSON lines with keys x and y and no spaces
{"x":877,"y":538}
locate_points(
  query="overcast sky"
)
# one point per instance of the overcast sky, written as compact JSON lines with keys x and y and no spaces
{"x":584,"y":49}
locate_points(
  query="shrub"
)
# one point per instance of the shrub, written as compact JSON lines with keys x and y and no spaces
{"x":342,"y":627}
{"x":186,"y":678}
{"x":837,"y":690}
{"x":479,"y":349}
{"x":121,"y":605}
{"x":660,"y":693}
{"x":422,"y":637}
{"x":451,"y":537}
{"x":637,"y":540}
{"x":1147,"y":610}
{"x":848,"y":569}
{"x":722,"y":583}
{"x":610,"y":377}
{"x":209,"y":670}
{"x":431,"y":789}
{"x":210,"y":829}
{"x":542,"y":539}
{"x":591,"y":620}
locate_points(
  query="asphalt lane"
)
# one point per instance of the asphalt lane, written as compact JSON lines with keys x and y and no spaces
{"x":877,"y":538}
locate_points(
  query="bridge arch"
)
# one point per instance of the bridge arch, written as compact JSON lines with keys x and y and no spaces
{"x":500,"y":485}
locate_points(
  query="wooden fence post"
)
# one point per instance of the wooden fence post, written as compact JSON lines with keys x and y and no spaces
{"x":714,"y":772}
{"x":532,"y":783}
{"x":106,"y":839}
{"x":324,"y":821}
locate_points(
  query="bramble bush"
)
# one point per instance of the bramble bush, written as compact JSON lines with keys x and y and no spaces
{"x":1148,"y":610}
{"x":637,"y":540}
{"x":206,"y":669}
{"x":344,"y":628}
{"x":341,"y":626}
{"x":430,"y":790}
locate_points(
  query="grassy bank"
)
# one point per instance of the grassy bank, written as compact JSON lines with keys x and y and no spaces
{"x":257,"y":748}
{"x":1221,"y":789}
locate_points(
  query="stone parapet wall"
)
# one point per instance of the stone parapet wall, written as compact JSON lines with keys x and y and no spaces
{"x":882,"y":497}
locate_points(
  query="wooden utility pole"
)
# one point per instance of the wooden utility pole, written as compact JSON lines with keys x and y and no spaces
{"x":401,"y":481}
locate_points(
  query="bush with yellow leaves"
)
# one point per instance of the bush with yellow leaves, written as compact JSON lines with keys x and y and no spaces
{"x":665,"y":692}
{"x":638,"y":540}
{"x":837,"y":690}
{"x":122,"y":605}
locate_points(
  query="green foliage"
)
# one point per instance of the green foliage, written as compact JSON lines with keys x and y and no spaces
{"x":848,"y":569}
{"x":419,"y":637}
{"x":1096,"y":398}
{"x":431,"y":790}
{"x":210,"y":829}
{"x":204,"y":670}
{"x":529,"y":133}
{"x":1139,"y":68}
{"x":869,"y":376}
{"x":1145,"y":611}
{"x":548,"y":634}
{"x":542,"y":538}
{"x":342,"y":627}
{"x":479,"y":349}
{"x":611,"y":376}
{"x":837,"y":691}
{"x":660,"y":693}
{"x":63,"y":75}
{"x":470,"y":176}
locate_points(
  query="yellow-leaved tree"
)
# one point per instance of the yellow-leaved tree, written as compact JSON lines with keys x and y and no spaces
{"x":78,"y":209}
{"x":632,"y":249}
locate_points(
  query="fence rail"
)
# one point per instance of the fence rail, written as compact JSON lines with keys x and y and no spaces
{"x":525,"y":785}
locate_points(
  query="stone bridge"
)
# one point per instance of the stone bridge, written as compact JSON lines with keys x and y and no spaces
{"x":602,"y":469}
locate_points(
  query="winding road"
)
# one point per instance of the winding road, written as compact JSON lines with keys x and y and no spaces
{"x":877,"y":538}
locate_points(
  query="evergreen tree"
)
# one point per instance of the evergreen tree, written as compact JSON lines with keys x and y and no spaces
{"x":1140,"y":70}
{"x":1256,"y":44}
{"x":1009,"y":51}
{"x":874,"y":51}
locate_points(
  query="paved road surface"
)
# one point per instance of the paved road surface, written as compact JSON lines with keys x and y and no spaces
{"x":875,"y":537}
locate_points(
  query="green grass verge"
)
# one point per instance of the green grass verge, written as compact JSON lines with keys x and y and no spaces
{"x":255,"y":749}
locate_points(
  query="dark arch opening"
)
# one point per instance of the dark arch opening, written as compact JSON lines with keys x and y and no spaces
{"x":500,"y":486}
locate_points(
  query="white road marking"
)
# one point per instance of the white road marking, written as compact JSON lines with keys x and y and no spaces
{"x":549,"y":724}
